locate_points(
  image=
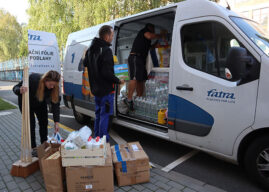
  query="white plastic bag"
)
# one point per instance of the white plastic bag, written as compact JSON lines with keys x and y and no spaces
{"x":85,"y":132}
{"x":72,"y":135}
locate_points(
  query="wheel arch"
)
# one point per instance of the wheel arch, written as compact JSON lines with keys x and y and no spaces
{"x":247,"y":140}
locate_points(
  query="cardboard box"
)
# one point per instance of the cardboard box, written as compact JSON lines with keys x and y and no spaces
{"x":84,"y":157}
{"x":131,"y":164}
{"x":91,"y":178}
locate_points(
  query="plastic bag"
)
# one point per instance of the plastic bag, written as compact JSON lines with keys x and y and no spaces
{"x":58,"y":137}
{"x":72,"y":136}
{"x":70,"y":146}
{"x":55,"y":138}
{"x":85,"y":132}
{"x":80,"y":138}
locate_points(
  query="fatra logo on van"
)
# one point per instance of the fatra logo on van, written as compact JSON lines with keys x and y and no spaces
{"x":220,"y":94}
{"x":34,"y":37}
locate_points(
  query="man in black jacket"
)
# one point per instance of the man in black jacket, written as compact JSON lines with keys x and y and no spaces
{"x":100,"y":64}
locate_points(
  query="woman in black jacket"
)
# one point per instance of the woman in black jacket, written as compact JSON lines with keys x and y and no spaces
{"x":42,"y":91}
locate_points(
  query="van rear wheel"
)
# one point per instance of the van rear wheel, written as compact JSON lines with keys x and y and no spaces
{"x":81,"y":118}
{"x":256,"y":161}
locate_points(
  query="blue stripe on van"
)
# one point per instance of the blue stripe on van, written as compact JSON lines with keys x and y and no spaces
{"x":182,"y":109}
{"x":73,"y":89}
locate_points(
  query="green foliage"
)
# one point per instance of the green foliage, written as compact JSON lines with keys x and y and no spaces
{"x":5,"y":106}
{"x":65,"y":16}
{"x":10,"y":36}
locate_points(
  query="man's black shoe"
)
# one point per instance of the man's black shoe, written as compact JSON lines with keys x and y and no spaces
{"x":130,"y":104}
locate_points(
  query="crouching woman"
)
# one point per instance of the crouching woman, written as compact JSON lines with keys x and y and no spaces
{"x":43,"y":90}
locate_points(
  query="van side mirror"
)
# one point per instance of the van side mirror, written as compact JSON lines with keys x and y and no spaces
{"x":236,"y":63}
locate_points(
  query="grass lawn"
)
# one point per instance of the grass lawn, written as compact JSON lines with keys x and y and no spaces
{"x":5,"y":106}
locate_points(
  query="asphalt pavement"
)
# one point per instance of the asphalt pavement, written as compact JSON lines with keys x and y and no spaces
{"x":200,"y":166}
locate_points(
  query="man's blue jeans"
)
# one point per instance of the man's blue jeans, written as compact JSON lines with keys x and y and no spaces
{"x":103,"y":113}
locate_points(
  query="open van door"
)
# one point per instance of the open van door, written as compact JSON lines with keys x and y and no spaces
{"x":208,"y":105}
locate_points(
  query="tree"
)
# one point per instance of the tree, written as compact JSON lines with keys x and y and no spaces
{"x":65,"y":16}
{"x":10,"y":36}
{"x":52,"y":16}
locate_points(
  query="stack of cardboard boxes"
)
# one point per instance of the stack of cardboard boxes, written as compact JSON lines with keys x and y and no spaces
{"x":131,"y":165}
{"x":91,"y":178}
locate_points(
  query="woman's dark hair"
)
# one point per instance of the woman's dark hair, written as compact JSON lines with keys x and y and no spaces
{"x":105,"y":30}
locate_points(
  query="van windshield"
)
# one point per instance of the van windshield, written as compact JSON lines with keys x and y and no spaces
{"x":255,"y":32}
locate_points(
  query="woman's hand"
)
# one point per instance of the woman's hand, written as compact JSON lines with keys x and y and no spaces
{"x":56,"y":127}
{"x":23,"y":89}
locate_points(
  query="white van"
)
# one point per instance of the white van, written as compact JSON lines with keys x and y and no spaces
{"x":215,"y":84}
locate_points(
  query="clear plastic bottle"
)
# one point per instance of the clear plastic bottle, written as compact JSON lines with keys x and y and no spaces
{"x":89,"y":143}
{"x":96,"y":143}
{"x":158,"y":95}
{"x":143,"y":107}
{"x":147,"y":109}
{"x":138,"y":107}
{"x":147,"y":88}
{"x":151,"y":113}
{"x":154,"y":110}
{"x":166,"y":96}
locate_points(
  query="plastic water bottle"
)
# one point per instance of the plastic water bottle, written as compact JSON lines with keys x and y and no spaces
{"x":138,"y":106}
{"x":147,"y":88}
{"x":154,"y":110}
{"x":166,"y":96}
{"x":89,"y":143}
{"x":157,"y":92}
{"x":147,"y":109}
{"x":96,"y":143}
{"x":141,"y":107}
{"x":151,"y":110}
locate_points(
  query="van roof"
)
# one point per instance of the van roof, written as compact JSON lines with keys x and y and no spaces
{"x":73,"y":37}
{"x":91,"y":32}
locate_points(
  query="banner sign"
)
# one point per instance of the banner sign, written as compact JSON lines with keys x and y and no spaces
{"x":43,"y":52}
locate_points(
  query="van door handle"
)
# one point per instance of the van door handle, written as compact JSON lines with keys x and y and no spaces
{"x":182,"y":88}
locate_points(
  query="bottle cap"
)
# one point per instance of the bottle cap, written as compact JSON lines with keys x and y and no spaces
{"x":97,"y":139}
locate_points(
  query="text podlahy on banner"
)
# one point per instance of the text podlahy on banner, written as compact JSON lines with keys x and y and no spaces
{"x":43,"y":52}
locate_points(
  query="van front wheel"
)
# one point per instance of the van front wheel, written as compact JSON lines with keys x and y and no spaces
{"x":256,"y":161}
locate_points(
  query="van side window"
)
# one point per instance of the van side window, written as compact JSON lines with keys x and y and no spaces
{"x":206,"y":45}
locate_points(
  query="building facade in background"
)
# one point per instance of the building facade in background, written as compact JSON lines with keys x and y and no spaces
{"x":257,"y":10}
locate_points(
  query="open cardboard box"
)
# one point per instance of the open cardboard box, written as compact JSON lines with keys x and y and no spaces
{"x":84,"y":157}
